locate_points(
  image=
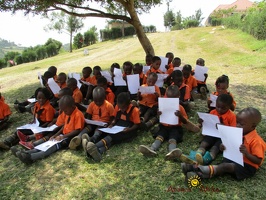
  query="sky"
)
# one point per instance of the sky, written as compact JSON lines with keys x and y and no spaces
{"x":29,"y":30}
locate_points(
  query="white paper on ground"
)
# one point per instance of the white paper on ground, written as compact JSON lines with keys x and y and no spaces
{"x":232,"y":139}
{"x":168,"y":107}
{"x":209,"y":124}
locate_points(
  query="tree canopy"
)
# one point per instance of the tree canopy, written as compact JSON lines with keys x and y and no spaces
{"x":86,"y":8}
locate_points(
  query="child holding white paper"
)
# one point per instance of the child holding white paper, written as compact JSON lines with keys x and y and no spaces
{"x":126,"y":115}
{"x":86,"y":77}
{"x":148,"y":103}
{"x":98,"y":110}
{"x":71,"y":121}
{"x":253,"y":150}
{"x":73,"y":85}
{"x":174,"y":133}
{"x":222,"y":85}
{"x":110,"y":96}
{"x":202,"y":87}
{"x":228,"y":118}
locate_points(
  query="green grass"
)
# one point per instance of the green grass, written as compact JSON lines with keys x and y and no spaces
{"x":124,"y":173}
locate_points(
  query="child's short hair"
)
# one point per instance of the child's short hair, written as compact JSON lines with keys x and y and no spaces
{"x":99,"y":91}
{"x":88,"y":69}
{"x":169,"y":54}
{"x":176,"y":74}
{"x":72,"y":82}
{"x":53,"y":70}
{"x":123,"y":98}
{"x":177,"y":59}
{"x":200,"y":62}
{"x":48,"y":75}
{"x":115,"y":65}
{"x":155,"y":58}
{"x":149,"y":56}
{"x":102,"y":81}
{"x":253,"y":114}
{"x":128,"y":63}
{"x":222,"y":79}
{"x":172,"y":91}
{"x":36,"y":92}
{"x":67,"y":100}
{"x":138,"y":66}
{"x":62,"y":75}
{"x":153,"y":75}
{"x":227,"y":99}
{"x":98,"y":68}
{"x":66,"y":91}
{"x":45,"y":92}
{"x":187,"y":67}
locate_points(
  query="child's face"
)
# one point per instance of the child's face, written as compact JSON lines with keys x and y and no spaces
{"x":98,"y":100}
{"x":123,"y":107}
{"x":137,"y":70}
{"x":221,"y":107}
{"x":221,"y":88}
{"x":86,"y":73}
{"x":177,"y":81}
{"x":127,"y":69}
{"x":243,"y":121}
{"x":156,"y":64}
{"x":41,"y":98}
{"x":61,"y":80}
{"x":97,"y":73}
{"x":151,"y":81}
{"x":148,"y":61}
{"x":186,"y":74}
{"x":104,"y":86}
{"x":176,"y":63}
{"x":170,"y":58}
{"x":66,"y":108}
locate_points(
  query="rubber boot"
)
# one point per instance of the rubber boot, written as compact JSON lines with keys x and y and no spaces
{"x":207,"y":158}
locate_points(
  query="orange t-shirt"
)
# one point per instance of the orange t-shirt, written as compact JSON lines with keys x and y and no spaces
{"x":134,"y":117}
{"x":110,"y":96}
{"x":191,"y":82}
{"x":88,"y":79}
{"x":77,"y":95}
{"x":73,"y":122}
{"x":150,"y":100}
{"x":62,"y":85}
{"x":228,"y":119}
{"x":256,"y":146}
{"x":183,"y":112}
{"x":47,"y":115}
{"x":170,"y":69}
{"x":184,"y":92}
{"x":4,"y":110}
{"x":93,"y":80}
{"x":2,"y":99}
{"x":102,"y":113}
{"x":157,"y":71}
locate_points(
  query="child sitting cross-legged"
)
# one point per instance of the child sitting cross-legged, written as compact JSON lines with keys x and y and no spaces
{"x":174,"y":133}
{"x":4,"y":113}
{"x":228,"y":118}
{"x":253,"y":150}
{"x":126,"y":115}
{"x":99,"y":110}
{"x":71,"y":121}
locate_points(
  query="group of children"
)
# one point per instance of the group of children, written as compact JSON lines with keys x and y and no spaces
{"x":115,"y":106}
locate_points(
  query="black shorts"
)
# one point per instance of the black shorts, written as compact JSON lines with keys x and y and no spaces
{"x":212,"y":141}
{"x":241,"y":172}
{"x":171,"y":132}
{"x":143,"y":109}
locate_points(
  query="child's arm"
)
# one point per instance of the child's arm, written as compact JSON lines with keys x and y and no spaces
{"x":249,"y":156}
{"x":132,"y":128}
{"x":57,"y":134}
{"x":88,"y":116}
{"x":206,"y":76}
{"x":45,"y":124}
{"x":139,"y":96}
{"x":112,"y":123}
{"x":181,"y":117}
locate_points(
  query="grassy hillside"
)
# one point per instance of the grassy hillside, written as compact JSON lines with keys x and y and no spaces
{"x":124,"y":173}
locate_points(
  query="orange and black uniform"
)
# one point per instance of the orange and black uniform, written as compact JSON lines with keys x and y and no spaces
{"x":101,"y":113}
{"x":217,"y":94}
{"x":77,"y":95}
{"x":120,"y":89}
{"x":170,"y":69}
{"x":110,"y":96}
{"x":4,"y":110}
{"x":168,"y":131}
{"x":157,"y":71}
{"x":256,"y":146}
{"x":44,"y":113}
{"x":228,"y":119}
{"x":191,"y":82}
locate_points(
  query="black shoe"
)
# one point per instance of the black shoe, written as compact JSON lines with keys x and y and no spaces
{"x":16,"y":102}
{"x":24,"y":157}
{"x":14,"y":150}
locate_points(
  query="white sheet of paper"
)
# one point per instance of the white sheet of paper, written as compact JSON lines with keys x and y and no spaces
{"x":160,"y":79}
{"x":146,"y":68}
{"x":77,"y":77}
{"x":232,"y":139}
{"x":178,"y":68}
{"x":32,"y":100}
{"x":168,"y":107}
{"x":94,"y":122}
{"x":209,"y":124}
{"x":40,"y":78}
{"x":113,"y":130}
{"x":213,"y":98}
{"x":53,"y":86}
{"x":133,"y":83}
{"x":107,"y":75}
{"x":147,"y":90}
{"x":164,"y":61}
{"x":46,"y":145}
{"x":118,"y":79}
{"x":199,"y":72}
{"x":86,"y":83}
{"x":35,"y":128}
{"x":70,"y":75}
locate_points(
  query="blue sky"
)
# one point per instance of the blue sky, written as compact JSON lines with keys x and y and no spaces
{"x":29,"y":30}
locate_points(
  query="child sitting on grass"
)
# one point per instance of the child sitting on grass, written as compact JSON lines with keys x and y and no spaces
{"x":253,"y":150}
{"x":221,"y":84}
{"x":72,"y":122}
{"x":126,"y":115}
{"x":73,"y":85}
{"x":228,"y":118}
{"x":174,"y":133}
{"x":110,"y":96}
{"x":202,"y":87}
{"x":98,"y":110}
{"x":86,"y":73}
{"x":4,"y":113}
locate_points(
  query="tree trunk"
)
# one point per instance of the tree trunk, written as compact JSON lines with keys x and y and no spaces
{"x":70,"y":43}
{"x":143,"y":39}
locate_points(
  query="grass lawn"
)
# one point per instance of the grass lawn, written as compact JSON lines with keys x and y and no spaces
{"x":124,"y":173}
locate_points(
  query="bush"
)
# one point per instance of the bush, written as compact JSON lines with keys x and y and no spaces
{"x":2,"y":63}
{"x":234,"y":21}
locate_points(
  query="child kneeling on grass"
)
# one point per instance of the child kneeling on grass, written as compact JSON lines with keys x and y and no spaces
{"x":126,"y":115}
{"x":72,"y":122}
{"x":174,"y":133}
{"x":253,"y":150}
